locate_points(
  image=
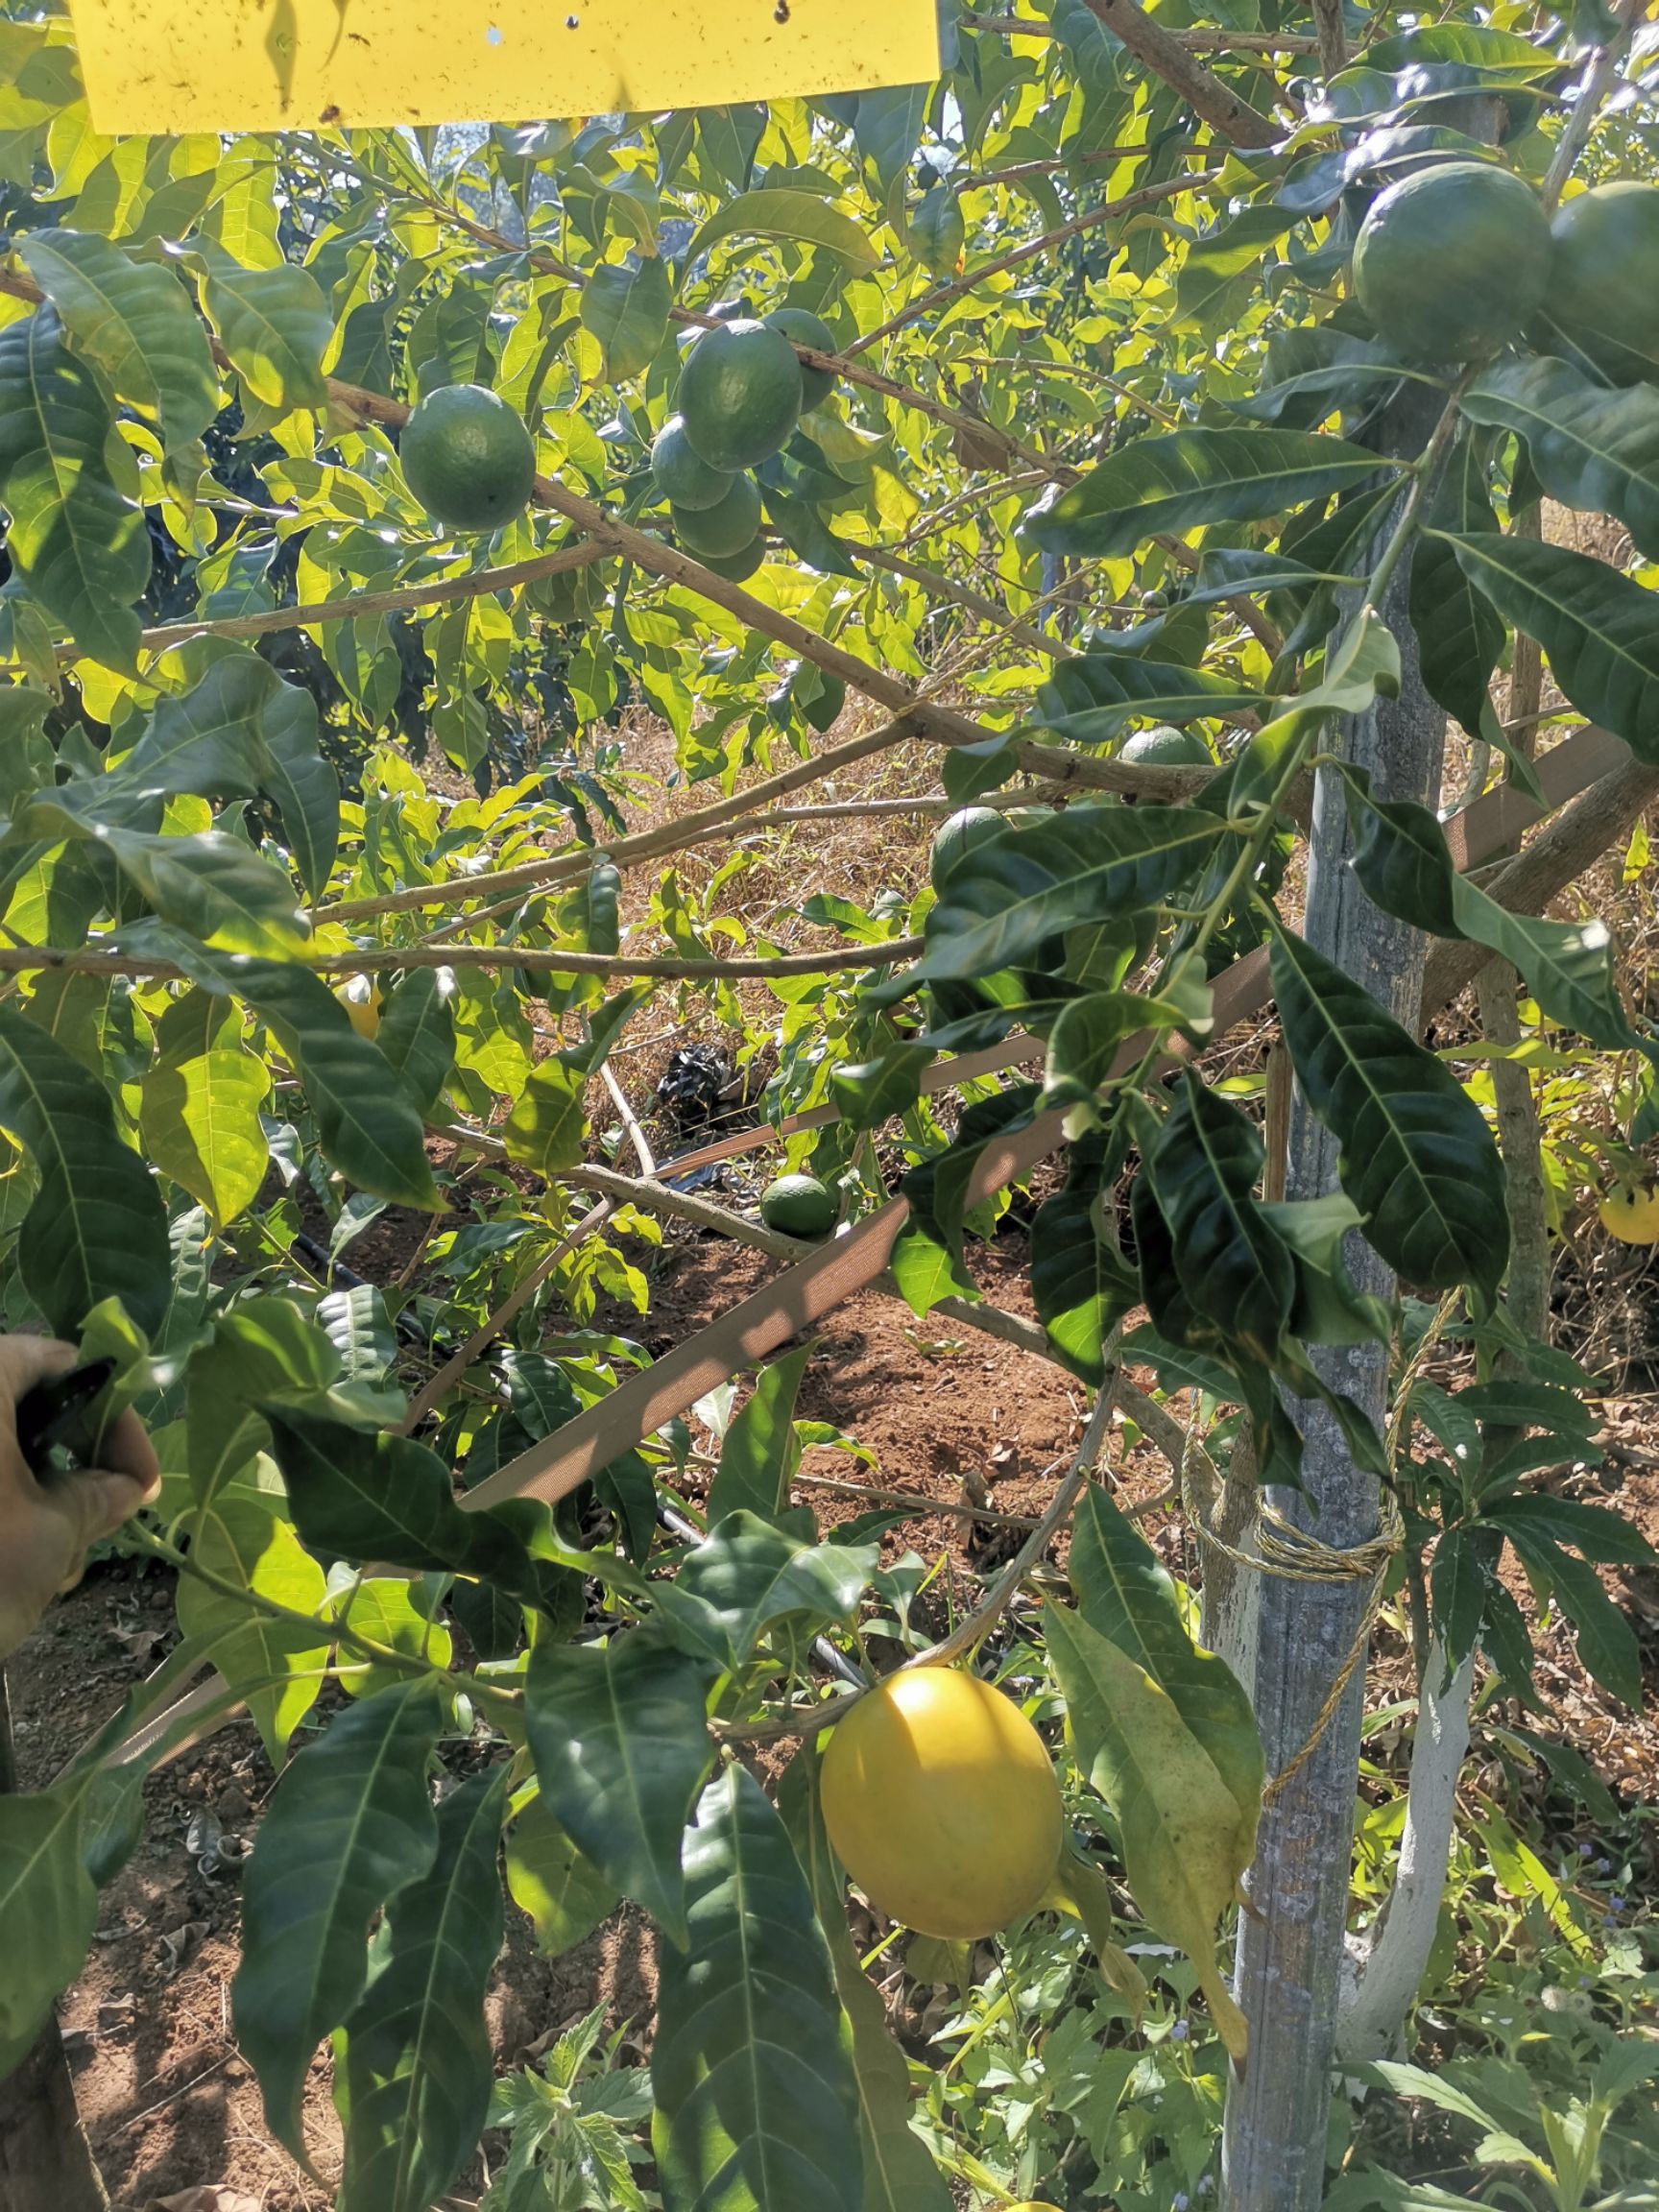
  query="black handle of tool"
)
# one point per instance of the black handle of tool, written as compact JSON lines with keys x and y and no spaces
{"x":59,"y":1420}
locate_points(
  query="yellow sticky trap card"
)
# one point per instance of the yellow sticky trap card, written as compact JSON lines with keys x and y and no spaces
{"x":175,"y":67}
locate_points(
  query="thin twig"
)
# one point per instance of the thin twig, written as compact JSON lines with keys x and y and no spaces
{"x":942,"y":295}
{"x":977,"y":1625}
{"x":502,"y":1318}
{"x":630,"y":1122}
{"x":404,"y":598}
{"x":1600,"y":74}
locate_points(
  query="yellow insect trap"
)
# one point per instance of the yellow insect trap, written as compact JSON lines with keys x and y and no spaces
{"x":174,"y":67}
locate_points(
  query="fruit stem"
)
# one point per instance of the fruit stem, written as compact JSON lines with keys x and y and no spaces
{"x":1424,"y":472}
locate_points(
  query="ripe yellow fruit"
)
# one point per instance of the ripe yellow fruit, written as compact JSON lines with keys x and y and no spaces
{"x":941,"y":1802}
{"x":1631,"y":1215}
{"x":362,"y":1003}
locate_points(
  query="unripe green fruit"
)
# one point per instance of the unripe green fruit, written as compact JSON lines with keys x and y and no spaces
{"x":1165,"y":746}
{"x":724,"y":529}
{"x":1603,"y":298}
{"x":1452,"y":261}
{"x":740,"y":394}
{"x":799,"y":1206}
{"x":682,"y":475}
{"x":959,"y":835}
{"x":468,"y":458}
{"x":736,"y":567}
{"x":803,"y":328}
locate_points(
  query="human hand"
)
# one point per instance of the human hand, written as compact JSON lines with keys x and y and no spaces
{"x":45,"y":1529}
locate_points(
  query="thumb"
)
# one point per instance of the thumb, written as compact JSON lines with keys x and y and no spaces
{"x":99,"y":1502}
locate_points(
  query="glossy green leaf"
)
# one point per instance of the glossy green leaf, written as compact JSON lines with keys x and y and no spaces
{"x":1416,"y":1157}
{"x":1600,"y":629}
{"x":384,"y":1609}
{"x":799,"y":217}
{"x":563,"y":1893}
{"x":1211,"y":275}
{"x":757,"y":2103}
{"x":899,"y":2174}
{"x":935,"y":230}
{"x":349,"y":1825}
{"x":135,"y":321}
{"x":759,"y":1452}
{"x":1081,"y":1284}
{"x":625,"y":305}
{"x":1089,"y":1034}
{"x":366,"y":1124}
{"x":1607,"y":1644}
{"x":48,"y":1910}
{"x":748,"y":1575}
{"x":1097,"y":695}
{"x":27,"y":758}
{"x":213,"y":886}
{"x":1186,"y":1839}
{"x":1188,"y":477}
{"x":365,"y":1496}
{"x":1592,"y":448}
{"x":1124,"y":1592}
{"x":200,"y":1100}
{"x":547,"y":1125}
{"x":1598,"y":1531}
{"x":621,"y":1746}
{"x":1457,"y":1584}
{"x":924,"y":1269}
{"x":1327,"y":1308}
{"x":1230,"y":1260}
{"x":1460,"y":634}
{"x":1403,"y":862}
{"x":76,"y":541}
{"x":96,"y":1227}
{"x":240,"y":1536}
{"x":238,"y":731}
{"x":1004,"y":899}
{"x":871,"y":1091}
{"x":276,"y":327}
{"x":419,"y":2062}
{"x":1314,"y":370}
{"x":416,"y":1033}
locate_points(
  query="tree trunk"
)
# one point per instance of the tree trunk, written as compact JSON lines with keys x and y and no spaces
{"x":45,"y":2161}
{"x":1390,"y":1966}
{"x":1292,"y":1941}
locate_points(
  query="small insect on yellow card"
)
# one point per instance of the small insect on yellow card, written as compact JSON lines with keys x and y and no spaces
{"x":183,"y":65}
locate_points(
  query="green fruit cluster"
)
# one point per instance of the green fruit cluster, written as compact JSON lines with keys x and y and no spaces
{"x":1460,"y":259}
{"x":742,"y":390}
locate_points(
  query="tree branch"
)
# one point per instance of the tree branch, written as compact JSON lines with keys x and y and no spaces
{"x":1203,"y":91}
{"x":22,"y":959}
{"x":1221,"y":41}
{"x":1332,"y":44}
{"x":1561,"y":853}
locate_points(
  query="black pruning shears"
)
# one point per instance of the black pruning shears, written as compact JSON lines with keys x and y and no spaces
{"x":60,"y":1422}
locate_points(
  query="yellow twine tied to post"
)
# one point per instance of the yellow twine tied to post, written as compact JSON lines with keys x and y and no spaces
{"x":1279,"y":1547}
